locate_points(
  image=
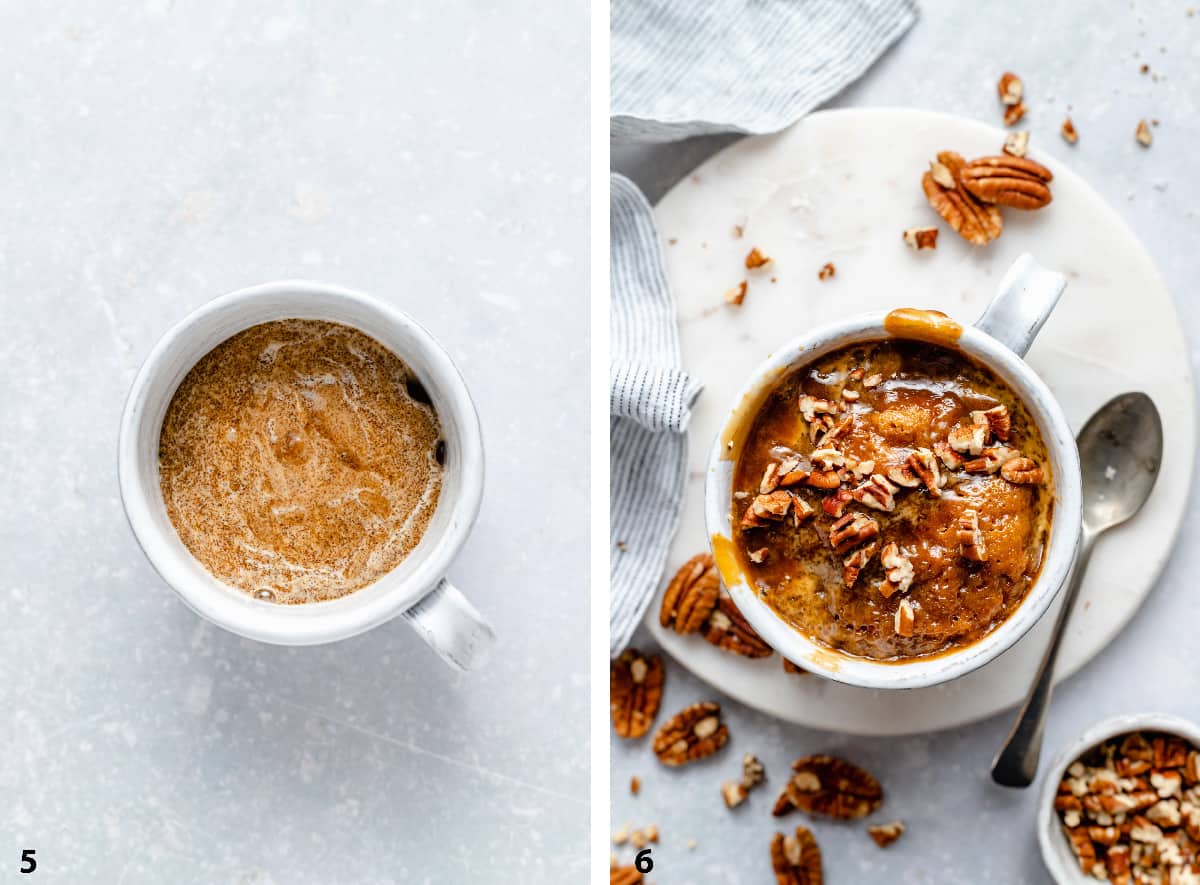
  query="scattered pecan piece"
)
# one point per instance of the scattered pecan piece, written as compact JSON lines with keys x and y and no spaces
{"x":1005,"y":180}
{"x":1016,"y":144}
{"x":635,"y":785}
{"x":830,"y":787}
{"x":1143,"y":134}
{"x":753,"y":772}
{"x":897,"y":569}
{"x":737,"y":294}
{"x":755,"y":259}
{"x":691,"y":595}
{"x":635,"y":685}
{"x":695,"y":732}
{"x":906,"y":618}
{"x":852,"y":530}
{"x":1014,"y":114}
{"x":827,"y":271}
{"x":1069,"y":133}
{"x":919,"y":238}
{"x":796,"y":859}
{"x":1011,"y":89}
{"x":885,"y":834}
{"x":970,"y":538}
{"x":789,"y":667}
{"x":728,"y":628}
{"x":624,"y":876}
{"x":734,"y":794}
{"x":1022,"y":471}
{"x":973,"y":220}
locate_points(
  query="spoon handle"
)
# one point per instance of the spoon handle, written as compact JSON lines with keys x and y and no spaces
{"x":1017,"y":762}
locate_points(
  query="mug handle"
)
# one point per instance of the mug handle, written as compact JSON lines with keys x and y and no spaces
{"x":453,"y":627}
{"x":1022,"y":303}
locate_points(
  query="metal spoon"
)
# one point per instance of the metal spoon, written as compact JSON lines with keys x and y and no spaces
{"x":1120,"y":449}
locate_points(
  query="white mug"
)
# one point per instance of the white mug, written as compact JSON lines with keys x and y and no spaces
{"x":1023,"y":302}
{"x":417,"y":587}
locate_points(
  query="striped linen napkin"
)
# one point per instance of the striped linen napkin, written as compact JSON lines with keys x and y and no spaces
{"x":681,"y":68}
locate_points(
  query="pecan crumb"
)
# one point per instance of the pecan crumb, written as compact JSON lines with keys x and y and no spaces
{"x":755,"y":258}
{"x":1070,"y":136}
{"x":737,"y":294}
{"x":1010,"y":89}
{"x":885,"y":834}
{"x":635,"y":785}
{"x":918,"y":238}
{"x":1143,"y":135}
{"x":1013,"y":115}
{"x":1016,"y":144}
{"x":827,"y":271}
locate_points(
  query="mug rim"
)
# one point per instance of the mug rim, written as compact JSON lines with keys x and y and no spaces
{"x":326,"y":620}
{"x":1058,"y":558}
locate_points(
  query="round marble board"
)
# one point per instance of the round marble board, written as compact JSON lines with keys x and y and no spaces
{"x":840,"y":187}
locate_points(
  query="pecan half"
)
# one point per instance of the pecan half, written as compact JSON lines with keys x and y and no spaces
{"x":973,"y":220}
{"x":695,"y":732}
{"x":1022,"y":471}
{"x":1004,"y":180}
{"x":728,"y":628}
{"x":852,"y":530}
{"x":691,"y":595}
{"x":885,"y":834}
{"x":830,"y":787}
{"x":970,"y":538}
{"x":624,"y":876}
{"x":635,"y":686}
{"x":796,"y":859}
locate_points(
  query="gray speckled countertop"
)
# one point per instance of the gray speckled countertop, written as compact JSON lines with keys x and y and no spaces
{"x":962,"y":829}
{"x":156,"y":154}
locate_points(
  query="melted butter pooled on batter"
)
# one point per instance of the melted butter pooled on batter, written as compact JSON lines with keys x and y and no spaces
{"x":300,"y":460}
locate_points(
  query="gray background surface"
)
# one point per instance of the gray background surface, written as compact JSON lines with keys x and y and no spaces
{"x":156,"y":154}
{"x":1073,"y":56}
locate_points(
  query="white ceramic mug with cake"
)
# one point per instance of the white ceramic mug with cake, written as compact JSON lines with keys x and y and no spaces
{"x":779,"y":542}
{"x":382,"y":581}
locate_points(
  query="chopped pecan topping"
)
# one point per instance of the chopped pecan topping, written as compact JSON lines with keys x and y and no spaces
{"x":824,"y":479}
{"x":693,"y":733}
{"x":897,"y":569}
{"x":991,"y":459}
{"x":796,"y":859}
{"x":877,"y":492}
{"x":793,"y":478}
{"x":801,"y":509}
{"x":970,"y":538}
{"x":920,"y":238}
{"x":852,"y":530}
{"x":755,"y":259}
{"x":872,"y":380}
{"x":836,"y":431}
{"x":905,"y":618}
{"x":827,"y":459}
{"x":691,"y":595}
{"x":968,"y":439}
{"x":771,"y":507}
{"x":770,"y":480}
{"x":885,"y":834}
{"x":835,"y":504}
{"x":728,"y":628}
{"x":975,"y":221}
{"x":1016,"y":144}
{"x":853,"y":565}
{"x":635,"y":684}
{"x":1069,"y":133}
{"x":1005,"y":180}
{"x":924,"y":466}
{"x":1143,"y":135}
{"x":759,"y":556}
{"x":737,"y":294}
{"x":811,"y":406}
{"x":997,"y":419}
{"x":947,"y":455}
{"x":1011,"y":89}
{"x":830,"y":787}
{"x":850,"y":396}
{"x":1022,"y":471}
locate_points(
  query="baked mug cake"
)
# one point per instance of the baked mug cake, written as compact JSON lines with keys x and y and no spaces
{"x":894,"y":500}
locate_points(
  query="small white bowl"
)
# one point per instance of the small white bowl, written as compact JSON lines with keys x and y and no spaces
{"x":1056,"y":851}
